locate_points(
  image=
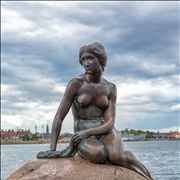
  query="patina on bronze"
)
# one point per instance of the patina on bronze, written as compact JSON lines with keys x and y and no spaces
{"x":93,"y":102}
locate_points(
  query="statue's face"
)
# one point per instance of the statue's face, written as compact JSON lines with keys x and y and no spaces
{"x":90,"y":63}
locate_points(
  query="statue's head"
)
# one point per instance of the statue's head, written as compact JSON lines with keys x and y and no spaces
{"x":97,"y":50}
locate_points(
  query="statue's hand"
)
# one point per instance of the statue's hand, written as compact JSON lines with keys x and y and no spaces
{"x":48,"y":154}
{"x":79,"y":136}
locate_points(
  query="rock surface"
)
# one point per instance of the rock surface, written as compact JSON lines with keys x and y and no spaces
{"x":71,"y":169}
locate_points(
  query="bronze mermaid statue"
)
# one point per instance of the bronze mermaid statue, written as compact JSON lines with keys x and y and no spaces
{"x":93,"y":102}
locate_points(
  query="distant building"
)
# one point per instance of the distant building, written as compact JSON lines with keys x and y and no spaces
{"x":35,"y":128}
{"x":65,"y":137}
{"x":43,"y":135}
{"x":132,"y":137}
{"x":169,"y":135}
{"x":14,"y":134}
{"x":47,"y":129}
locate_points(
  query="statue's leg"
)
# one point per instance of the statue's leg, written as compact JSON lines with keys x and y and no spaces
{"x":93,"y":150}
{"x":117,"y":155}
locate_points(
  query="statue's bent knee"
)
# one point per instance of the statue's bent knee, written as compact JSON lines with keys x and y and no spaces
{"x":99,"y":155}
{"x":94,"y":154}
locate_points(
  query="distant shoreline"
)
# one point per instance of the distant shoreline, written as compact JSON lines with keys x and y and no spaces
{"x":45,"y":141}
{"x":48,"y":141}
{"x":24,"y":142}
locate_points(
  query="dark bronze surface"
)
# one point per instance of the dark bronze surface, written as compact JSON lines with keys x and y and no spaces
{"x":93,"y":102}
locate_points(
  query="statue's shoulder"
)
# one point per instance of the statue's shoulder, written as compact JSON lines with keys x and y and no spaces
{"x":77,"y":80}
{"x":109,"y":84}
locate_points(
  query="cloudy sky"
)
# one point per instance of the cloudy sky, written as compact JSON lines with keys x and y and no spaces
{"x":40,"y":45}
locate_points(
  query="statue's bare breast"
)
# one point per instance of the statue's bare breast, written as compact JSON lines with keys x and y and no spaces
{"x":89,"y":105}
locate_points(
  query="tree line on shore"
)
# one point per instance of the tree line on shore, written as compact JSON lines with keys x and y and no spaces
{"x":148,"y":134}
{"x":30,"y":136}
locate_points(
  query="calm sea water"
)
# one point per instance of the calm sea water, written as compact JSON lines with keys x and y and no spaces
{"x":162,"y":158}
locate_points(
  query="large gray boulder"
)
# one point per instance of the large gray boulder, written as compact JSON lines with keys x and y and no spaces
{"x":71,"y":169}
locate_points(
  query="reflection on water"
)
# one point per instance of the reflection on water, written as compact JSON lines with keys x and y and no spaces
{"x":162,"y":158}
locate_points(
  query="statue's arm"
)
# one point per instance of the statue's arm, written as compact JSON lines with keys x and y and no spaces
{"x":62,"y":111}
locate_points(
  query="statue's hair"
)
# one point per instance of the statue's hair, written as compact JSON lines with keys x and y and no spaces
{"x":97,"y":50}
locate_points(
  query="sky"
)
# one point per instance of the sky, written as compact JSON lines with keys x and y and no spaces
{"x":40,"y":44}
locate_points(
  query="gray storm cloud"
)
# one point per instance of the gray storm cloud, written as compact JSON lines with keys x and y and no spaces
{"x":40,"y":44}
